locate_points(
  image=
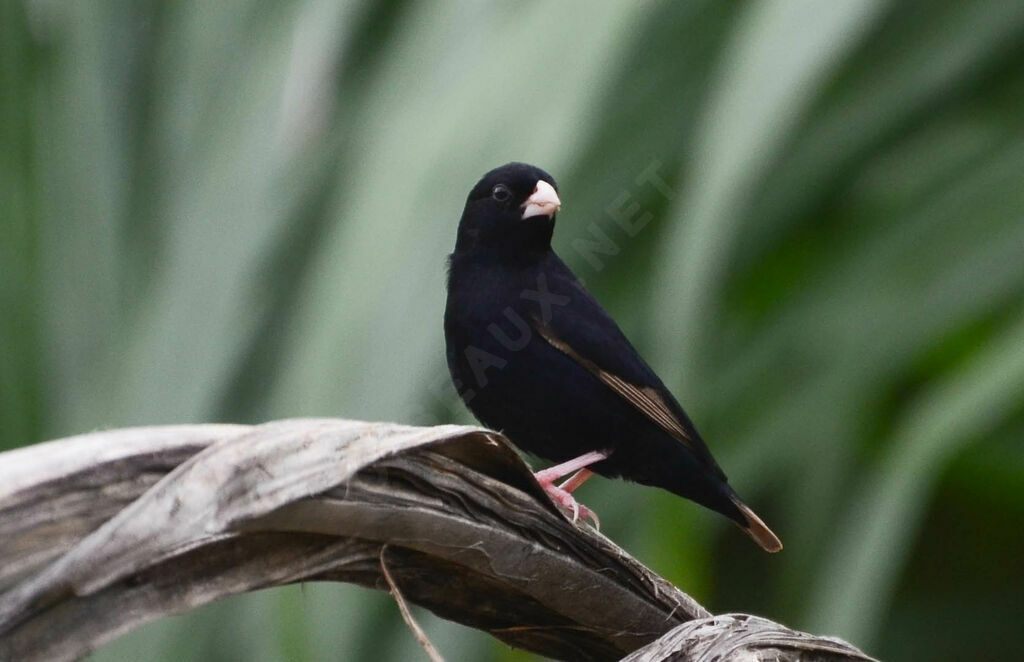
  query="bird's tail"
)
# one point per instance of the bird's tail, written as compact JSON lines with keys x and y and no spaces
{"x":755,"y":528}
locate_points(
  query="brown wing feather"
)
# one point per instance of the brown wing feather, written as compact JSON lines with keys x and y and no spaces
{"x":648,"y":401}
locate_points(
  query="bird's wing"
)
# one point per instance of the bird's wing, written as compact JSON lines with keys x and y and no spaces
{"x":584,"y":332}
{"x":644,"y":398}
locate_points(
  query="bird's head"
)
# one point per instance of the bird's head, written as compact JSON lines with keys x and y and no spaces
{"x":511,"y":210}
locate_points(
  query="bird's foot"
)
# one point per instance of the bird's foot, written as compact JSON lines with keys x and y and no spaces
{"x":566,"y":500}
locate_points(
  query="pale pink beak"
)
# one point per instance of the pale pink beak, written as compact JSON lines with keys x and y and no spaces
{"x":543,"y":200}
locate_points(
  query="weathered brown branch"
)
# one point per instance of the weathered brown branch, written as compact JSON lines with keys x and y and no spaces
{"x":421,"y":636}
{"x":104,"y":532}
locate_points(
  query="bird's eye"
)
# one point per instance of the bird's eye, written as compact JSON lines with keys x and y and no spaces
{"x":501,"y":193}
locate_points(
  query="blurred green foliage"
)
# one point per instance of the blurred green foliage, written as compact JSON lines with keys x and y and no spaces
{"x":240,"y":211}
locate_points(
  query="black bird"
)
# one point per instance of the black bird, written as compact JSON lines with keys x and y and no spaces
{"x":533,"y":354}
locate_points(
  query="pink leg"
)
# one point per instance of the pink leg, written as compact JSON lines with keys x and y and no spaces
{"x":577,"y":479}
{"x":552,"y":474}
{"x":562,"y":494}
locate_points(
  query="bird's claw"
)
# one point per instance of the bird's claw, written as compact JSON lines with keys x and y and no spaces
{"x":568,"y":502}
